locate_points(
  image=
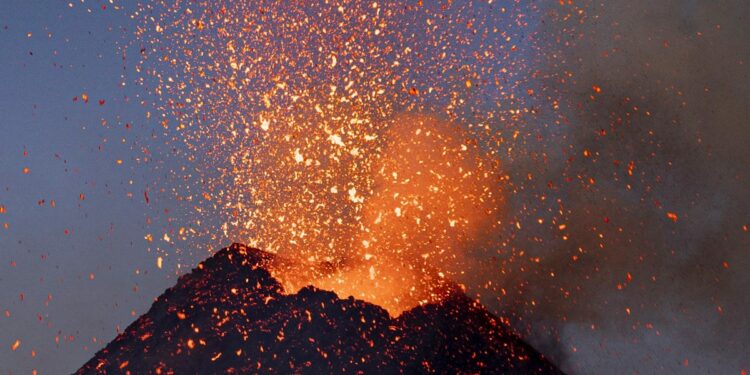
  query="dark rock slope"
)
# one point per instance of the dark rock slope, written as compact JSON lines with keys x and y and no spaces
{"x":230,"y":315}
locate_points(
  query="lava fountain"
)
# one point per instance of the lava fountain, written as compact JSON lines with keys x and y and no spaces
{"x":433,"y":197}
{"x":360,"y":141}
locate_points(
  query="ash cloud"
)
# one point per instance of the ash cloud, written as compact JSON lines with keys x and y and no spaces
{"x":653,"y":179}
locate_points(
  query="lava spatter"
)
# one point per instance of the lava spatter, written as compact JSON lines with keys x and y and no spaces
{"x":361,"y":135}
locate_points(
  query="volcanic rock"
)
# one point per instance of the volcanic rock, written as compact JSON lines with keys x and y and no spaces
{"x":230,"y":316}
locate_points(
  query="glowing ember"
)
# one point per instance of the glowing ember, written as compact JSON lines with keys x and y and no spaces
{"x":346,"y":137}
{"x":240,"y":322}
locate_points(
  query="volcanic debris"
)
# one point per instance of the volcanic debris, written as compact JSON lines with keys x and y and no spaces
{"x":230,"y":316}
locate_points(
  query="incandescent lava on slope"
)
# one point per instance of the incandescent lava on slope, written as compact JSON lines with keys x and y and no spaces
{"x":229,"y":315}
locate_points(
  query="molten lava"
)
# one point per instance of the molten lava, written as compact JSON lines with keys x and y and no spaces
{"x":433,"y":197}
{"x":361,"y":140}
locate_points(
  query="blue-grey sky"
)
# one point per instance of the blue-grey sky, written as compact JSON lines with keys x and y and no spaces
{"x":50,"y":54}
{"x":653,"y":99}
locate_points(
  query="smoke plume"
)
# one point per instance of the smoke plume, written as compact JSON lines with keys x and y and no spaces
{"x":651,"y":276}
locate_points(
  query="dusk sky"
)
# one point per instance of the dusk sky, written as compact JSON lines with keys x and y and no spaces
{"x":75,"y":265}
{"x":612,"y":138}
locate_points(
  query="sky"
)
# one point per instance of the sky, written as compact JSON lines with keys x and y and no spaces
{"x":625,"y":173}
{"x":75,"y":270}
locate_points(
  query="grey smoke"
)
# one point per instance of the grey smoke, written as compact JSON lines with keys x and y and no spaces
{"x":675,"y":100}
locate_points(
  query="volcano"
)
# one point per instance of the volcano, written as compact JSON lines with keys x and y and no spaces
{"x":230,"y":315}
